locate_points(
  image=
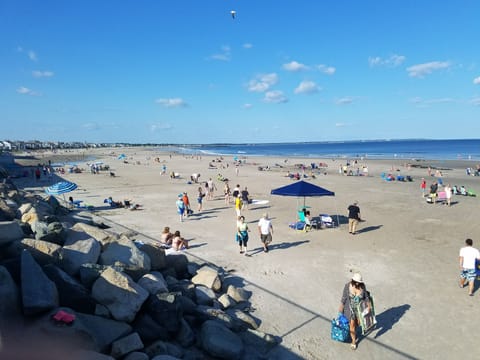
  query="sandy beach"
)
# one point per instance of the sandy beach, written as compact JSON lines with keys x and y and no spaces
{"x":406,"y":249}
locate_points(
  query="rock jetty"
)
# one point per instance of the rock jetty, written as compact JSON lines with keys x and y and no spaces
{"x":69,"y":284}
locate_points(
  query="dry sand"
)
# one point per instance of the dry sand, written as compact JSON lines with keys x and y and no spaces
{"x":407,"y":250}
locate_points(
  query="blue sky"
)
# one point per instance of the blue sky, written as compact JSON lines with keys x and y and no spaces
{"x":185,"y":71}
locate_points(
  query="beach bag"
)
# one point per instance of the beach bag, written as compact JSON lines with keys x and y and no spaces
{"x":340,"y":328}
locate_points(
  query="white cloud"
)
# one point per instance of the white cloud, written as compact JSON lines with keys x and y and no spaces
{"x":32,"y":55}
{"x":392,"y":61}
{"x":306,"y":87}
{"x":91,"y":126}
{"x":40,"y":74}
{"x":160,"y":127}
{"x":421,"y":70}
{"x":476,"y":81}
{"x":247,"y":46}
{"x":26,"y":91}
{"x":420,"y":102}
{"x":262,"y":82}
{"x":329,"y":70}
{"x":475,"y":101}
{"x":275,"y":96}
{"x":172,"y":102}
{"x":224,"y":55}
{"x":247,"y":106}
{"x":345,"y":100}
{"x":294,"y":66}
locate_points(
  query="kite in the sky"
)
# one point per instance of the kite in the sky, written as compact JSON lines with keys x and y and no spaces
{"x":233,"y":13}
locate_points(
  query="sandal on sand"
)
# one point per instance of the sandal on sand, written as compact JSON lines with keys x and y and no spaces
{"x":353,"y":346}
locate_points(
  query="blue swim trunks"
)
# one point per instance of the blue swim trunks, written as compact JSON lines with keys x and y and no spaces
{"x":468,"y":274}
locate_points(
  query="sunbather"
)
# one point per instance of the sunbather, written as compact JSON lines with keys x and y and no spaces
{"x":178,"y":242}
{"x":166,"y":237}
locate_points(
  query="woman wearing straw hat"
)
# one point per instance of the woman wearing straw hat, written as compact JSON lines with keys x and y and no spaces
{"x":354,"y":294}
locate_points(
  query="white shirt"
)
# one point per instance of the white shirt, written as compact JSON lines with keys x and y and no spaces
{"x":469,"y":254}
{"x":264,"y":225}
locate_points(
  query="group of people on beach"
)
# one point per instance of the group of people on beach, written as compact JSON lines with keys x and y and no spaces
{"x":173,"y":240}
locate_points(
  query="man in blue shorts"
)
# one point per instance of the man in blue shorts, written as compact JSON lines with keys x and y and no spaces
{"x":468,"y":257}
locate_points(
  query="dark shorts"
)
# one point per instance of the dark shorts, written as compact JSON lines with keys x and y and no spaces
{"x":266,"y":239}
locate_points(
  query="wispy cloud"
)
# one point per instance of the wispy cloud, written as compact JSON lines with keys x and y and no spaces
{"x":262,"y":82}
{"x":172,"y":102}
{"x":247,"y":106}
{"x":160,"y":127}
{"x":275,"y":97}
{"x":224,"y":55}
{"x":421,"y":70}
{"x":420,"y":102}
{"x":475,"y":101}
{"x":329,"y":70}
{"x":247,"y":46}
{"x":295,"y":66}
{"x":476,"y":81}
{"x":91,"y":126}
{"x":30,"y":53}
{"x":391,"y":61}
{"x":347,"y":100}
{"x":307,"y":87}
{"x":40,"y":74}
{"x":26,"y":91}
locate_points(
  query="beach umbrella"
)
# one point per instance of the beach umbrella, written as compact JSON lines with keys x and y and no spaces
{"x":61,"y":188}
{"x":302,"y":189}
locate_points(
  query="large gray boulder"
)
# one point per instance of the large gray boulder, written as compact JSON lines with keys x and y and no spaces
{"x":156,"y":254}
{"x":39,"y":293}
{"x":148,"y":329}
{"x":153,"y":282}
{"x":9,"y":299}
{"x":219,"y":341}
{"x":87,"y":331}
{"x":43,"y":252}
{"x":204,"y":295}
{"x":119,"y":293}
{"x":125,"y":253}
{"x":79,"y":248}
{"x":7,"y":212}
{"x":52,"y":232}
{"x":258,"y":340}
{"x":10,"y":231}
{"x":126,"y":345}
{"x":209,"y":277}
{"x":162,"y":348}
{"x":103,"y":236}
{"x":72,"y":293}
{"x":165,"y":309}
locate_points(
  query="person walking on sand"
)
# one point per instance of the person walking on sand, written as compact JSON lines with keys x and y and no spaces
{"x":211,"y":189}
{"x":200,"y":197}
{"x":265,"y":229}
{"x":242,"y":235}
{"x":180,"y":206}
{"x":353,"y":293}
{"x":238,"y":204}
{"x":353,"y":217}
{"x":433,"y":192}
{"x":468,"y":257}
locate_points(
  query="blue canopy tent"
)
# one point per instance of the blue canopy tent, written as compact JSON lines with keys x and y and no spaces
{"x":303,"y":189}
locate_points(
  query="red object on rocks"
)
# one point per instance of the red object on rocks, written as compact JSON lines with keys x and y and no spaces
{"x":64,"y":317}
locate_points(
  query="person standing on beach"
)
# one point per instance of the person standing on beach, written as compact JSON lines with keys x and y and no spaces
{"x":200,"y":197}
{"x":211,"y":188}
{"x":433,"y":192}
{"x":423,"y":186}
{"x":448,"y":194}
{"x":238,"y":204}
{"x":265,"y":230}
{"x":245,"y":200}
{"x":468,"y":257}
{"x":353,"y":217}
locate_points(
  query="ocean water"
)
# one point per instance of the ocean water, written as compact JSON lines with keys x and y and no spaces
{"x":468,"y":149}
